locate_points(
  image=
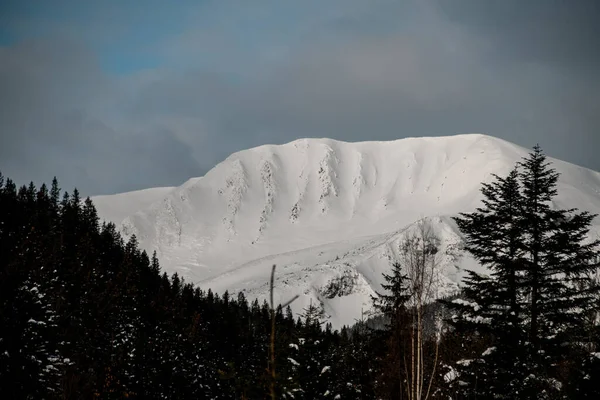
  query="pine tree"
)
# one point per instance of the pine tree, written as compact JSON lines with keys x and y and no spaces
{"x":307,"y":356}
{"x":355,"y":370}
{"x":313,"y":316}
{"x":54,"y":196}
{"x":492,"y":306}
{"x":392,"y":305}
{"x":530,"y":313}
{"x":31,"y":360}
{"x":560,"y":266}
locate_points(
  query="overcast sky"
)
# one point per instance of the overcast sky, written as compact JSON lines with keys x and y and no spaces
{"x":112,"y":96}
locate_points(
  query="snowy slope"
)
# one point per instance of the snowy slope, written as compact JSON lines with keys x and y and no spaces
{"x":117,"y":207}
{"x":325,"y":211}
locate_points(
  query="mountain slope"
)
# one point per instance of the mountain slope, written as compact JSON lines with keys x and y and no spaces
{"x":325,"y":210}
{"x":116,"y":207}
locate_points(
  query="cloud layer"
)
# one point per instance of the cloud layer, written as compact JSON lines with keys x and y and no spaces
{"x":235,"y":77}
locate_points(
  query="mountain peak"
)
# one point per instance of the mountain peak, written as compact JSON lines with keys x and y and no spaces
{"x":346,"y":201}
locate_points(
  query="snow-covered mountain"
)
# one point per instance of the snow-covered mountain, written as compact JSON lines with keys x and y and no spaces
{"x":330,"y":214}
{"x":117,"y":207}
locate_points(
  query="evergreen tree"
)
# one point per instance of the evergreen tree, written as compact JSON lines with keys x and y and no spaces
{"x":356,"y":369}
{"x":560,"y":266}
{"x":30,"y":352}
{"x":392,"y":305}
{"x":54,"y":195}
{"x":492,"y":306}
{"x":307,"y":357}
{"x":84,"y":314}
{"x":529,"y":314}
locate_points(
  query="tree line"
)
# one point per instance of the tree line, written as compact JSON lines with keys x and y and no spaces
{"x":84,"y":314}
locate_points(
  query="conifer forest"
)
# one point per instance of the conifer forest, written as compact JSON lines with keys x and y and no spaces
{"x":87,"y":315}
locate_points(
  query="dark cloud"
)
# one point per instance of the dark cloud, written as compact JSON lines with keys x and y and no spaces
{"x":560,"y":33}
{"x":560,"y":41}
{"x":526,"y":72}
{"x":58,"y":116}
{"x":387,"y":87}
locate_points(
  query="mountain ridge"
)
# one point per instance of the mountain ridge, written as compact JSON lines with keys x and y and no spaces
{"x":282,"y":203}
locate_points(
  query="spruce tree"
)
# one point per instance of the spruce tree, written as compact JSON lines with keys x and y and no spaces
{"x":392,"y":303}
{"x":491,"y":305}
{"x":396,"y":335}
{"x":307,"y":357}
{"x":530,"y":313}
{"x":54,"y":195}
{"x":560,"y":265}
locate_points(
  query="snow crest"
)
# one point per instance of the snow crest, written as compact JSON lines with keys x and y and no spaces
{"x":330,"y":214}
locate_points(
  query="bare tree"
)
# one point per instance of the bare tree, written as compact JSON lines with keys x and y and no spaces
{"x":420,"y":261}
